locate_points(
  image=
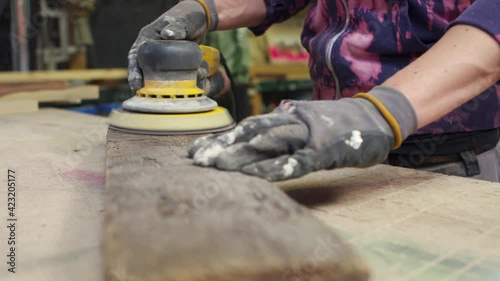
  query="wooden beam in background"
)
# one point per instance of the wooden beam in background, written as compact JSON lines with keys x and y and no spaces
{"x":72,"y":95}
{"x":18,"y":106}
{"x":63,"y":75}
{"x":37,"y":86}
{"x":289,"y":71}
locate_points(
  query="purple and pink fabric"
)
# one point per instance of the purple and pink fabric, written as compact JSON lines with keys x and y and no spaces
{"x":358,"y":44}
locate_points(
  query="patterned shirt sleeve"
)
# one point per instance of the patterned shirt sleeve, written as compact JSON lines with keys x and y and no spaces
{"x":483,"y":14}
{"x":278,"y":11}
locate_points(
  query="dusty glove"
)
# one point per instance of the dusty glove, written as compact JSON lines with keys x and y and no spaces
{"x":301,"y":137}
{"x":188,"y":20}
{"x":215,"y":85}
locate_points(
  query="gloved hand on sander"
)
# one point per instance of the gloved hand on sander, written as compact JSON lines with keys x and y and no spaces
{"x":300,"y":137}
{"x":188,"y":20}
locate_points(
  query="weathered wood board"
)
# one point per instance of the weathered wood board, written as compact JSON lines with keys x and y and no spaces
{"x":169,"y":220}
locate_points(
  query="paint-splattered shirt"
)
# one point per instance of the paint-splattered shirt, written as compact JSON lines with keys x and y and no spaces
{"x":358,"y":44}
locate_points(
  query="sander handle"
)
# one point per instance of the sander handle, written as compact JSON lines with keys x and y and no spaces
{"x":212,"y":57}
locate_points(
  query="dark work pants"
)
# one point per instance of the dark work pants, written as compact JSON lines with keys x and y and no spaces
{"x":489,"y":164}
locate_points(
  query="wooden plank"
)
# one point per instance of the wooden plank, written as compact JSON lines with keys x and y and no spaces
{"x":59,"y":75}
{"x":255,"y":101}
{"x":18,"y":106}
{"x":410,"y":225}
{"x":287,"y":71}
{"x":78,"y":60}
{"x":59,"y":160}
{"x":167,"y":219}
{"x":24,"y":87}
{"x":88,"y":92}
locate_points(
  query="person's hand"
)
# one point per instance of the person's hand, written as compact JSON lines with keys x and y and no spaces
{"x":188,"y":20}
{"x":301,"y":137}
{"x":218,"y":85}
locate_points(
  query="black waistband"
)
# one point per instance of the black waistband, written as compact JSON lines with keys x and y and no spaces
{"x":452,"y":143}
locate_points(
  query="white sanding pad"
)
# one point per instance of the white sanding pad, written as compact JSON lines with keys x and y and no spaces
{"x":157,"y":105}
{"x":216,"y":120}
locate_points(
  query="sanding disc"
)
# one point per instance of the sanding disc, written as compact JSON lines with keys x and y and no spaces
{"x":216,"y":120}
{"x":156,"y":105}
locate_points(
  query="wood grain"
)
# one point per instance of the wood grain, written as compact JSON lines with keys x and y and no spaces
{"x":18,"y":106}
{"x":63,"y":75}
{"x":37,"y":86}
{"x":166,"y":219}
{"x":59,"y":159}
{"x":410,"y":225}
{"x":72,"y":95}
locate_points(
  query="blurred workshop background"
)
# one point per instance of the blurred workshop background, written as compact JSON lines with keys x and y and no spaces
{"x":72,"y":54}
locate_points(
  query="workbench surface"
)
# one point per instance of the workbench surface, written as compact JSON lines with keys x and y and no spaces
{"x":408,"y":225}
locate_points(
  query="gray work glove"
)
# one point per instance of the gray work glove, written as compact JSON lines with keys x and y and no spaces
{"x":188,"y":20}
{"x":300,"y":137}
{"x":216,"y":85}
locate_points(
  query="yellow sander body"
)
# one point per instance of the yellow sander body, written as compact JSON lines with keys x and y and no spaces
{"x":171,"y":101}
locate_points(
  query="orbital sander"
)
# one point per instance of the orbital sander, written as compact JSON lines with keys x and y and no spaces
{"x":173,"y":99}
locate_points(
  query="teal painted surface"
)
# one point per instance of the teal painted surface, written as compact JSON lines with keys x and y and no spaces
{"x":393,"y":258}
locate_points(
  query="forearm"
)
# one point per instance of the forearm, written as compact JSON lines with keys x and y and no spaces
{"x":240,"y":13}
{"x":460,"y":66}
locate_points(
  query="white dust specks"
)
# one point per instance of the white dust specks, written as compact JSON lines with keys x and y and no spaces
{"x":266,"y":122}
{"x":239,"y":130}
{"x":204,"y":156}
{"x":136,"y":76}
{"x":289,"y":167}
{"x":200,"y":140}
{"x":256,"y":139}
{"x":230,"y":138}
{"x":169,"y":32}
{"x":355,"y":141}
{"x":328,"y":120}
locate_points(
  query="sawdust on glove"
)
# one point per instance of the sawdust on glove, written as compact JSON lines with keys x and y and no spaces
{"x":300,"y":137}
{"x":188,"y":20}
